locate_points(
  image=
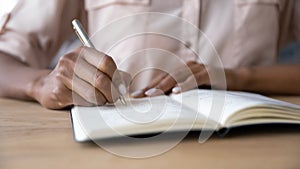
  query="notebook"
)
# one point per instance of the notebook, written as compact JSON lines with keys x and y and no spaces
{"x":193,"y":110}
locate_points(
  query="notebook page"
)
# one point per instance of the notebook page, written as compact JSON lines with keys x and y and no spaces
{"x":138,"y":116}
{"x":220,"y":105}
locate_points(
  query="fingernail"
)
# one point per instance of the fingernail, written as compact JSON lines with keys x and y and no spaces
{"x":122,"y":89}
{"x":137,"y":93}
{"x":151,"y":92}
{"x":176,"y":90}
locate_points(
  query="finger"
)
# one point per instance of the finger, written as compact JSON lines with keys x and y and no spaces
{"x":89,"y":93}
{"x":77,"y":100}
{"x":199,"y":71}
{"x":162,"y":87}
{"x":66,"y":64}
{"x":84,"y":90}
{"x":191,"y":68}
{"x":64,"y":72}
{"x":196,"y":67}
{"x":97,"y":79}
{"x":141,"y":93}
{"x":165,"y":85}
{"x":68,"y":98}
{"x":106,"y":87}
{"x":191,"y":82}
{"x":156,"y":80}
{"x":105,"y":64}
{"x":185,"y":86}
{"x":99,"y":60}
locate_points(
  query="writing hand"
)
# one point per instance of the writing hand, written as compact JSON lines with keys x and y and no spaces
{"x":84,"y":77}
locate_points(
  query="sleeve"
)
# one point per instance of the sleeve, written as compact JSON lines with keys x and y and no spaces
{"x":34,"y":30}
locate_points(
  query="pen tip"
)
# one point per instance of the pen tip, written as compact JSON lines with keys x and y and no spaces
{"x":122,"y":99}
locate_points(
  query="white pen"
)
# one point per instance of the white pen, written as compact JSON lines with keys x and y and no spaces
{"x":82,"y":35}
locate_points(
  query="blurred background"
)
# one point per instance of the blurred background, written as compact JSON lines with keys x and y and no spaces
{"x":6,"y":6}
{"x":290,"y":54}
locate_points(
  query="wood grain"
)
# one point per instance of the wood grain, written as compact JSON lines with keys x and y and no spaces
{"x":34,"y":137}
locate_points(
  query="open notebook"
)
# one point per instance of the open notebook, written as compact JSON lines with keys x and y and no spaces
{"x":192,"y":110}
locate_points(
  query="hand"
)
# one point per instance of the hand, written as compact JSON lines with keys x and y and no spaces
{"x":84,"y":77}
{"x":186,"y":78}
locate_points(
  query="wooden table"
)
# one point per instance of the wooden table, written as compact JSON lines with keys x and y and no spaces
{"x":34,"y":137}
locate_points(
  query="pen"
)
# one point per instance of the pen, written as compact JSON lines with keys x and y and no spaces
{"x":83,"y":37}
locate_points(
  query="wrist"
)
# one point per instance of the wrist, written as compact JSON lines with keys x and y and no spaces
{"x":238,"y":79}
{"x":34,"y":87}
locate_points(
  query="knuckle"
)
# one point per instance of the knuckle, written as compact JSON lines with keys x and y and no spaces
{"x":79,"y":50}
{"x":101,"y":81}
{"x":103,"y":85}
{"x":61,"y":62}
{"x":56,"y":93}
{"x":57,"y":98}
{"x":64,"y":70}
{"x":107,"y":62}
{"x":68,"y":56}
{"x":100,"y":99}
{"x":190,"y":63}
{"x":99,"y":76}
{"x":66,"y":60}
{"x":60,"y":75}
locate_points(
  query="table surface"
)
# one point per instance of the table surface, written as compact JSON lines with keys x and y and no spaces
{"x":34,"y":137}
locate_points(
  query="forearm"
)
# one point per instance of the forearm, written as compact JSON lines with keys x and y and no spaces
{"x":277,"y":79}
{"x":16,"y":78}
